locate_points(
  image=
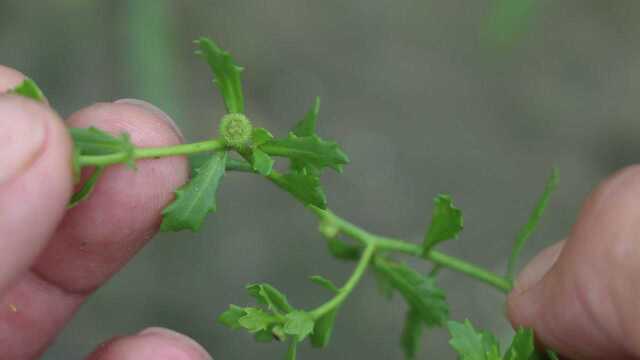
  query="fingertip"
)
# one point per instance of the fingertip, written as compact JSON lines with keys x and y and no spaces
{"x":152,"y":343}
{"x":9,"y":78}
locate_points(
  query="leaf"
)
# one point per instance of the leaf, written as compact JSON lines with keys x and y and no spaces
{"x":343,"y":251}
{"x":260,"y":136}
{"x":305,"y":188}
{"x":93,"y":142}
{"x":522,"y":346}
{"x":307,"y":126}
{"x":262,"y":162}
{"x":471,"y":344}
{"x":532,"y":223}
{"x":231,"y":317}
{"x":29,"y":89}
{"x":86,"y":188}
{"x":420,"y":292}
{"x":255,"y":320}
{"x":411,"y":334}
{"x":299,"y":324}
{"x":308,"y":150}
{"x":226,"y":74}
{"x":267,"y":295}
{"x":446,"y":223}
{"x":197,"y":198}
{"x":292,"y":350}
{"x":323,"y":328}
{"x":324,"y":282}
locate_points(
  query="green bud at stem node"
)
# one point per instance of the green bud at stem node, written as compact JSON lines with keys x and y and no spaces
{"x":235,"y":130}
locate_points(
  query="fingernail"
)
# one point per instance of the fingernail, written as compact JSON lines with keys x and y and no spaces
{"x":154,"y":110}
{"x":170,"y":334}
{"x":22,"y":138}
{"x":537,"y":268}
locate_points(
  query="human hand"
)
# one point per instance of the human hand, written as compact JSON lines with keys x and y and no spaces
{"x":581,"y":296}
{"x":51,"y":259}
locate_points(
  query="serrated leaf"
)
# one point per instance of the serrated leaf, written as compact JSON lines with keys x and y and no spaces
{"x":299,"y":324}
{"x":305,"y":188}
{"x":292,"y":350}
{"x":307,"y":126}
{"x":522,"y":346}
{"x":86,"y":188}
{"x":262,"y":162}
{"x":29,"y":89}
{"x":197,"y":198}
{"x":263,"y":336}
{"x":260,"y":136}
{"x":226,"y":74}
{"x":420,"y":292}
{"x":323,"y":329}
{"x":308,"y":150}
{"x":92,"y":141}
{"x":325,"y":283}
{"x":231,"y":317}
{"x":471,"y":344}
{"x":255,"y":320}
{"x":343,"y":251}
{"x":267,"y":295}
{"x":411,"y":334}
{"x":534,"y":219}
{"x":446,"y":223}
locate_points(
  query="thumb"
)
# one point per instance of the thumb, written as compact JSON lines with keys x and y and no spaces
{"x":35,"y":181}
{"x":581,"y":295}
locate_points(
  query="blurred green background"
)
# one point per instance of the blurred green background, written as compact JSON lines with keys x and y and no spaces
{"x":475,"y":98}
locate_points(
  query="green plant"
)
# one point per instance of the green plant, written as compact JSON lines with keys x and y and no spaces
{"x":242,"y":147}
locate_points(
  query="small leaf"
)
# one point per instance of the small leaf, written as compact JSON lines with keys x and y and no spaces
{"x":411,"y":334}
{"x":267,"y":295}
{"x":307,"y":126}
{"x":226,"y":72}
{"x":262,"y":163}
{"x":255,"y":320}
{"x":323,"y":328}
{"x":197,"y":198}
{"x":29,"y":89}
{"x":299,"y":324}
{"x":534,"y":219}
{"x":446,"y":223}
{"x":231,"y":317}
{"x":93,"y":142}
{"x":263,"y":336}
{"x":343,"y":251}
{"x":324,"y":282}
{"x":292,"y":350}
{"x":305,"y":188}
{"x":471,"y":344}
{"x":522,"y":346}
{"x":260,"y":136}
{"x":86,"y":188}
{"x":420,"y":292}
{"x":308,"y":150}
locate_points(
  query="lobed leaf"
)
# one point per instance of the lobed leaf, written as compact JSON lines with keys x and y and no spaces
{"x":197,"y":198}
{"x":522,"y":346}
{"x":231,"y":317}
{"x":446,"y":223}
{"x":29,"y":89}
{"x":411,"y":334}
{"x":267,"y":295}
{"x":226,"y":74}
{"x":305,"y":188}
{"x":256,"y":320}
{"x":420,"y":292}
{"x":471,"y":344}
{"x":308,"y":151}
{"x":299,"y":324}
{"x":325,"y":283}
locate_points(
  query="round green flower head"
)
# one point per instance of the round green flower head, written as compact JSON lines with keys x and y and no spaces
{"x":235,"y":130}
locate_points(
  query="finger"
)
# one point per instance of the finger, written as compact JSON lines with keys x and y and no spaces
{"x":152,"y":343}
{"x":9,"y":78}
{"x":35,"y":181}
{"x":584,"y":304}
{"x":96,"y":238}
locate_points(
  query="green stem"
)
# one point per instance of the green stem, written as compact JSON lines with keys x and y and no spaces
{"x":153,"y":152}
{"x":348,"y":287}
{"x":394,"y":245}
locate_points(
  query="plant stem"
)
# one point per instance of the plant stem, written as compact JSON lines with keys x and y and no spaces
{"x":348,"y":287}
{"x":395,"y":245}
{"x":152,"y":152}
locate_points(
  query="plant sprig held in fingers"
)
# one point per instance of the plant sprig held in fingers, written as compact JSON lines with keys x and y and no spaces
{"x":240,"y":146}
